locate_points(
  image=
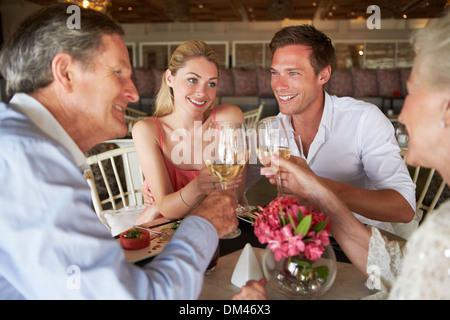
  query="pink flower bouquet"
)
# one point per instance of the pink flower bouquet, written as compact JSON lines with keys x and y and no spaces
{"x":290,"y":229}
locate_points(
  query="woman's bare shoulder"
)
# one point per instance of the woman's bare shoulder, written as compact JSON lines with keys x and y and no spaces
{"x":229,"y":112}
{"x":146,"y":124}
{"x":146,"y":127}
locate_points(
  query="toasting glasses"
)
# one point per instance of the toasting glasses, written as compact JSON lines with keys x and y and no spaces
{"x":272,"y":139}
{"x":226,"y":154}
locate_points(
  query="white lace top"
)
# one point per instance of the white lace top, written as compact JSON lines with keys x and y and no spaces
{"x":418,"y":270}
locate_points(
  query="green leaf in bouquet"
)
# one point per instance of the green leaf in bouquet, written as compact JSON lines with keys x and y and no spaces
{"x":299,"y":215}
{"x":320,"y":226}
{"x":304,"y":225}
{"x":292,"y":221}
{"x":322,"y":272}
{"x":301,"y":263}
{"x":281,"y":216}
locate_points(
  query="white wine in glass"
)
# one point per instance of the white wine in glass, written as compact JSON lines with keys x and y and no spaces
{"x":226,"y":155}
{"x":224,"y":172}
{"x":272,"y":138}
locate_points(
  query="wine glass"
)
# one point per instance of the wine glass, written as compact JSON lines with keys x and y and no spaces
{"x":242,"y":208}
{"x":226,"y":155}
{"x":272,"y":139}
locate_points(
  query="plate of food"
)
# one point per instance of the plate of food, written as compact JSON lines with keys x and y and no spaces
{"x":249,"y":216}
{"x":142,"y":242}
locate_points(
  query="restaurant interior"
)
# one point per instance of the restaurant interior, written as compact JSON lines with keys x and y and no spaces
{"x":374,"y":55}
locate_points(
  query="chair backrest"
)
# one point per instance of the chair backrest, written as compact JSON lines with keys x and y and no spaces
{"x":251,"y":117}
{"x":135,"y":113}
{"x":130,"y":121}
{"x":120,"y":194}
{"x":424,"y":181}
{"x":132,"y":116}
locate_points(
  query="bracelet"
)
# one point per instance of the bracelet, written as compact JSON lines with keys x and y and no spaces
{"x":192,"y":207}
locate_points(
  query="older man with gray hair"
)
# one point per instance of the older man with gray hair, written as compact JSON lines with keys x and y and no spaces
{"x":69,"y":88}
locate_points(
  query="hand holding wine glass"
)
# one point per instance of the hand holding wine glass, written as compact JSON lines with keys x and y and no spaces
{"x":272,"y":139}
{"x":225,"y":154}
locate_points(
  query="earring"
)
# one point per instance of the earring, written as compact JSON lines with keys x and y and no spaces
{"x":443,"y":126}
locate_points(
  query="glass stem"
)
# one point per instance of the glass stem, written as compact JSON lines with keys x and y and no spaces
{"x":280,"y":192}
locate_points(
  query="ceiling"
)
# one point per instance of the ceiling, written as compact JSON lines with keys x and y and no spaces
{"x":153,"y":11}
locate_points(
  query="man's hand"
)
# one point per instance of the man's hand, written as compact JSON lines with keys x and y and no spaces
{"x":219,"y":208}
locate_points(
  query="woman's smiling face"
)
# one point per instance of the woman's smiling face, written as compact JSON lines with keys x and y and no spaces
{"x":194,"y":85}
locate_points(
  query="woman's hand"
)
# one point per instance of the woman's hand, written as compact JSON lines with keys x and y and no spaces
{"x":297,"y":178}
{"x":150,"y":213}
{"x":207,"y":183}
{"x":148,"y":197}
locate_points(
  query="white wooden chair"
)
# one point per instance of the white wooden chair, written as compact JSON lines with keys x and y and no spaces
{"x":130,"y":121}
{"x":135,"y":113}
{"x":119,"y":210}
{"x":132,"y":116}
{"x":252,"y":116}
{"x":425,"y":189}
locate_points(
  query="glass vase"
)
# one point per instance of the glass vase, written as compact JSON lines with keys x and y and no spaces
{"x":299,"y":278}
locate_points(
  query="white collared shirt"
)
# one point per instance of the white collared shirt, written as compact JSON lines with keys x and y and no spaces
{"x":355,"y":144}
{"x":45,"y":121}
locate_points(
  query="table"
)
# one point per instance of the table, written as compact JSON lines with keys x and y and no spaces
{"x":348,"y":285}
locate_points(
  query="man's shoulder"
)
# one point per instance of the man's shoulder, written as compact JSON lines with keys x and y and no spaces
{"x":15,"y":125}
{"x":350,"y":104}
{"x":356,"y":109}
{"x":19,"y":134}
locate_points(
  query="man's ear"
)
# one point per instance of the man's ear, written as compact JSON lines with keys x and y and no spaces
{"x":62,"y":65}
{"x":324,"y":75}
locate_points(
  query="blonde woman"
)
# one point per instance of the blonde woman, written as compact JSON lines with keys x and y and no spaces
{"x":169,"y":145}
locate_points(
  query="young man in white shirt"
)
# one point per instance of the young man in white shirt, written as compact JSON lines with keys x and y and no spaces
{"x":350,"y":144}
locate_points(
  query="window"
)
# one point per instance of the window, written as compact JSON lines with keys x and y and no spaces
{"x":405,"y":55}
{"x":131,"y":47}
{"x":157,"y":54}
{"x":374,"y":55}
{"x":251,"y":54}
{"x":379,"y":55}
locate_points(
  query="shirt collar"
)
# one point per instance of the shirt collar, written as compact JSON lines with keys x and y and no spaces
{"x":323,"y":132}
{"x":327,"y":116}
{"x":45,"y":121}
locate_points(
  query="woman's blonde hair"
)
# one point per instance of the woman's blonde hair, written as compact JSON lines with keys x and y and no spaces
{"x":194,"y":48}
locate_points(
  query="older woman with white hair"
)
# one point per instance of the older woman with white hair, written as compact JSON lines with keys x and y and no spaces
{"x":421,"y":268}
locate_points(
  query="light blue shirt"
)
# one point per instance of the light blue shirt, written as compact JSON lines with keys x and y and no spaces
{"x":53,"y":246}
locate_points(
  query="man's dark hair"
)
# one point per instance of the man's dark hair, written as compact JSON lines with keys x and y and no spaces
{"x":322,"y":50}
